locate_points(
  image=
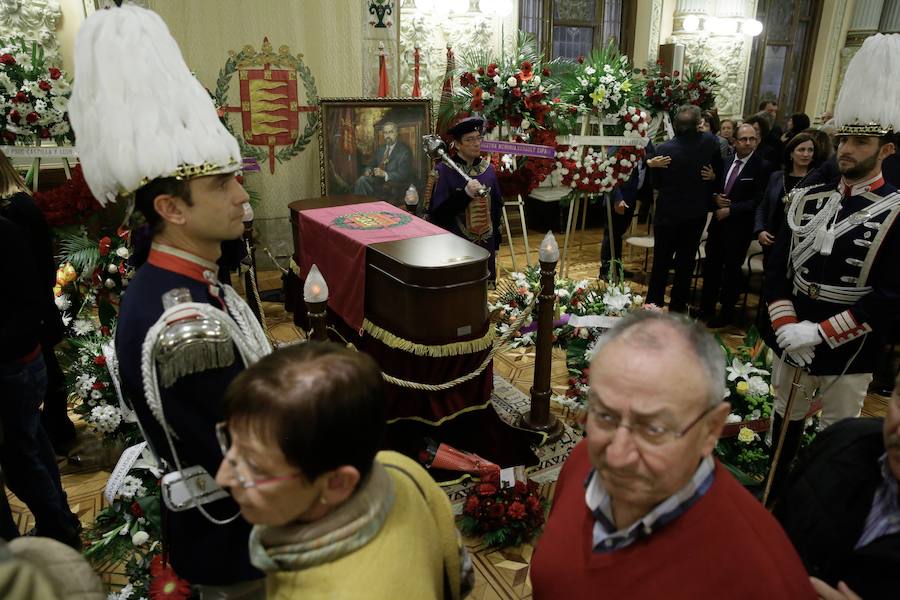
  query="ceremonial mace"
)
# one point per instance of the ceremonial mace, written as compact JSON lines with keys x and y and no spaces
{"x":435,"y":148}
{"x":785,"y":421}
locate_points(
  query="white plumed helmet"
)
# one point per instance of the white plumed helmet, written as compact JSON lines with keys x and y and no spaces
{"x":869,"y":100}
{"x":137,"y":111}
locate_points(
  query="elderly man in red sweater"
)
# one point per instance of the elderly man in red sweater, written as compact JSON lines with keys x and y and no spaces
{"x":642,"y":509}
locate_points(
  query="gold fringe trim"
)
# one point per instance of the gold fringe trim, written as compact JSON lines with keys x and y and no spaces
{"x":454,"y":349}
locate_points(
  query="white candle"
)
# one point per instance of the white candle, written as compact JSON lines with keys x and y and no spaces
{"x":315,"y":289}
{"x":549,"y":251}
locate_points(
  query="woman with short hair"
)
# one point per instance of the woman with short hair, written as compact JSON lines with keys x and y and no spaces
{"x":332,"y":516}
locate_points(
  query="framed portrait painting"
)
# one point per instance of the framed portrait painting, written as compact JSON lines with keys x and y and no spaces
{"x":373,"y":146}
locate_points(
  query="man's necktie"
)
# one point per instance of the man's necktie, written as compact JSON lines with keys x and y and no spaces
{"x":735,"y":171}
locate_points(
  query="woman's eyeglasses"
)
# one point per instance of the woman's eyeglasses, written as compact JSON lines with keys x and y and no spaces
{"x":223,"y":436}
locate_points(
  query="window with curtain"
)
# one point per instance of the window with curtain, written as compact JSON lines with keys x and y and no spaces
{"x":572,"y":28}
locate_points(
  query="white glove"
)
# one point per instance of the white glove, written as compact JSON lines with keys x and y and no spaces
{"x":473,"y":187}
{"x":800,"y":357}
{"x":799,"y":335}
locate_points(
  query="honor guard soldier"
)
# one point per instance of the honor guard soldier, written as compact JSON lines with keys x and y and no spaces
{"x":832,"y":284}
{"x":470,"y":210}
{"x":148,"y":133}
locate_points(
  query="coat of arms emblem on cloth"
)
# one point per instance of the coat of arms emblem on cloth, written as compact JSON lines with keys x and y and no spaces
{"x":271,"y":110}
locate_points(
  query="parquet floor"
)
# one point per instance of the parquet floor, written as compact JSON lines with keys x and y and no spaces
{"x":500,"y":575}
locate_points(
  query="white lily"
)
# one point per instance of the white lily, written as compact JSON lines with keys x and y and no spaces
{"x":742,"y":370}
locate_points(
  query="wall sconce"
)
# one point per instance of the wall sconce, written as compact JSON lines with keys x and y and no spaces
{"x":691,"y":23}
{"x":751,"y":27}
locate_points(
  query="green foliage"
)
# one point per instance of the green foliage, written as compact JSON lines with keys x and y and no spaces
{"x":81,"y":251}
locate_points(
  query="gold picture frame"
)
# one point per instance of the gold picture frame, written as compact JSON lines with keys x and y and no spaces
{"x":356,"y":158}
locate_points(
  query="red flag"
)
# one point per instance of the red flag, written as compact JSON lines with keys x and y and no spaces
{"x":383,"y":89}
{"x":446,"y":93}
{"x":416,"y":92}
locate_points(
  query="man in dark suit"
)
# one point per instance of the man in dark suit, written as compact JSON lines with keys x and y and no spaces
{"x":390,"y":170}
{"x":625,"y":199}
{"x":731,"y":229}
{"x":681,"y":207}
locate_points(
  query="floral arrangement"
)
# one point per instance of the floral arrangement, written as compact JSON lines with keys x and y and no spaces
{"x":93,"y":273}
{"x":34,"y":96}
{"x":520,"y":177}
{"x":511,"y":94}
{"x":595,"y":172}
{"x":744,"y":447}
{"x":509,"y":90}
{"x":72,"y":203}
{"x":504,"y":516}
{"x":600,"y":85}
{"x":128,"y":531}
{"x":665,"y":92}
{"x":700,"y":85}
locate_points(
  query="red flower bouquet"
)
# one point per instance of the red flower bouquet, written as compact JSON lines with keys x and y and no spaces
{"x":35,"y":95}
{"x":69,"y":204}
{"x":504,"y":516}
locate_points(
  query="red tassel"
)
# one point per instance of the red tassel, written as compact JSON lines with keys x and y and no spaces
{"x":416,"y":92}
{"x":383,"y":89}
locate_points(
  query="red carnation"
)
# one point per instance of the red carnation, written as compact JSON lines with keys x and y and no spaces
{"x":45,"y":133}
{"x":534,"y":504}
{"x":14,"y":116}
{"x":100,"y":360}
{"x":7,"y":59}
{"x":496,"y":510}
{"x":9,"y":136}
{"x":675,"y":73}
{"x":105,"y":243}
{"x":472,"y":505}
{"x":521,"y":488}
{"x":516,"y":510}
{"x":44,"y":85}
{"x":55,"y":73}
{"x":581,"y":59}
{"x":517,"y":92}
{"x":481,"y":70}
{"x":545,"y":72}
{"x":20,"y":97}
{"x":491,"y":69}
{"x":32,"y":117}
{"x":526,"y":71}
{"x":98,"y":385}
{"x":104,"y":330}
{"x":136,"y":510}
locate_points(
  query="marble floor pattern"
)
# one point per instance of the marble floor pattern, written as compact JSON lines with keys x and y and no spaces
{"x":500,"y":574}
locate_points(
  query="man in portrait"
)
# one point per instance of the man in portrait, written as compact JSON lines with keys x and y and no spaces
{"x":389,"y":172}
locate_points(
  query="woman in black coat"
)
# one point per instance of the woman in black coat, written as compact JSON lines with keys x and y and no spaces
{"x":798,"y":163}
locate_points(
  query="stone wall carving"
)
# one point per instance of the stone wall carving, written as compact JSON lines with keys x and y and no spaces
{"x":467,"y":32}
{"x":729,"y":57}
{"x":35,"y":20}
{"x":655,"y":25}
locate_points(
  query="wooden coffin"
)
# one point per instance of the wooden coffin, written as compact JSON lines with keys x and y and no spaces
{"x":429,"y":290}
